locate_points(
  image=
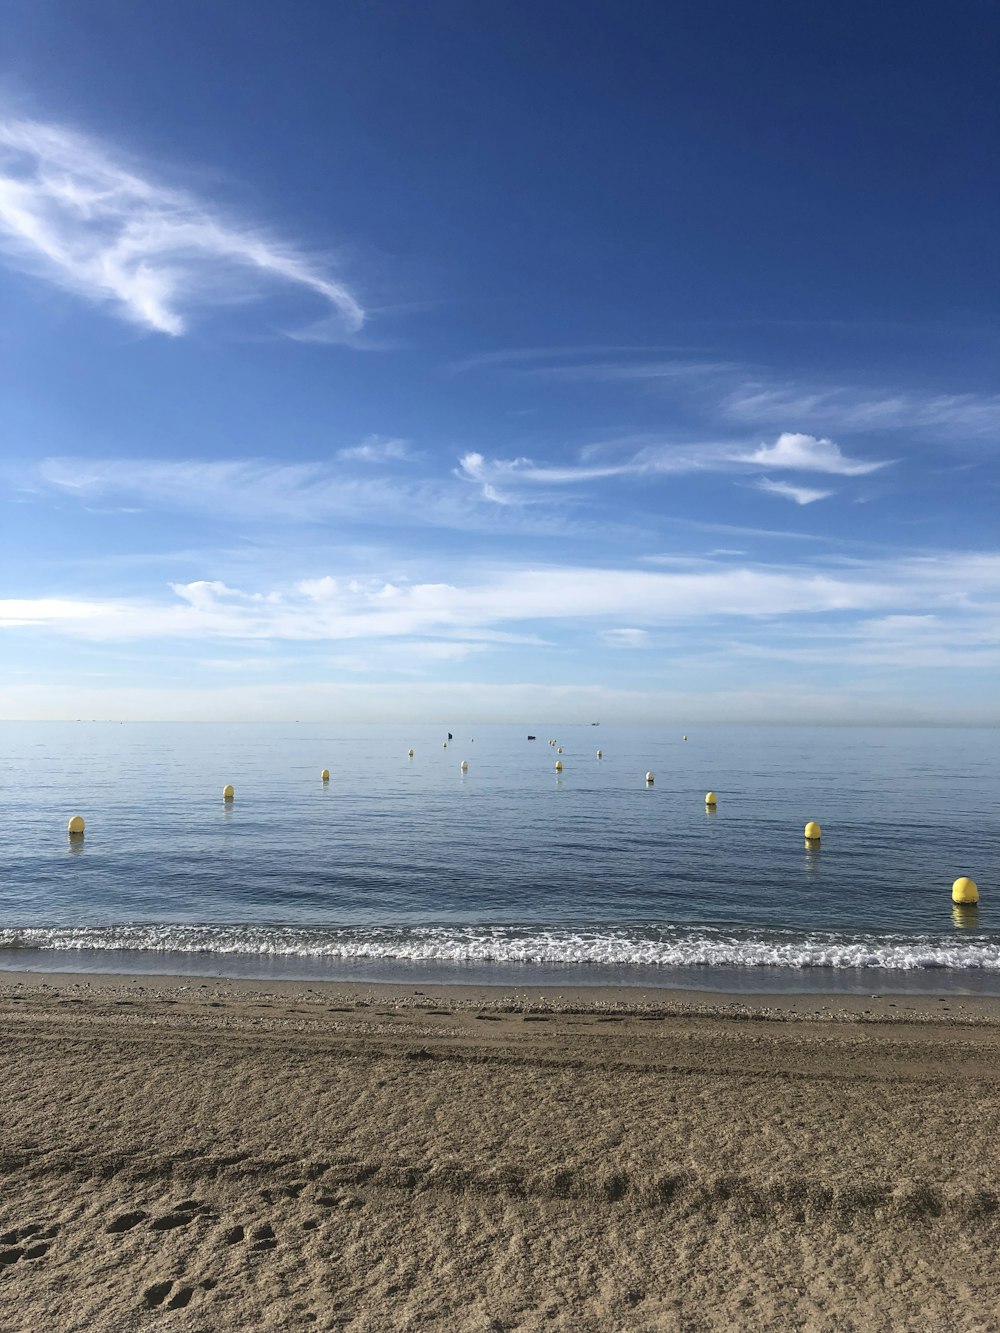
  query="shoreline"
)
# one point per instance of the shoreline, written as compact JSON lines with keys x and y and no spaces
{"x":458,"y":998}
{"x":817,"y":983}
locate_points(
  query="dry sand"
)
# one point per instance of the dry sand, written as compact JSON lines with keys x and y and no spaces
{"x":189,"y":1155}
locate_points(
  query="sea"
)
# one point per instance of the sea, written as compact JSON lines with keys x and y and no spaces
{"x":506,"y":872}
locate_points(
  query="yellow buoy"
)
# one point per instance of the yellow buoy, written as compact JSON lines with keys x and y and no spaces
{"x":409,"y":754}
{"x":600,"y":754}
{"x":76,"y":826}
{"x":325,"y":775}
{"x":228,"y":792}
{"x":710,"y":798}
{"x":559,"y":749}
{"x":444,"y":745}
{"x":465,"y":766}
{"x":965,"y":891}
{"x":558,"y":765}
{"x":813,"y":831}
{"x":685,"y":738}
{"x":650,"y":779}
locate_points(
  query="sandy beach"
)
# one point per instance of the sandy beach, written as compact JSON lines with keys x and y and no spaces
{"x":181,"y":1154}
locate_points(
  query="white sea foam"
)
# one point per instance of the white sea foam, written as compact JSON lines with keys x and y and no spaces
{"x":695,"y":946}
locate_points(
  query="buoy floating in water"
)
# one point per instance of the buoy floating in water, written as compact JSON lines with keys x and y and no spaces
{"x":76,"y":826}
{"x":325,"y":775}
{"x":813,"y":831}
{"x":465,"y":765}
{"x":559,"y":766}
{"x":409,"y":754}
{"x":228,"y":792}
{"x":965,"y":891}
{"x":685,"y":738}
{"x":600,"y":754}
{"x":650,"y":779}
{"x":710,"y":798}
{"x":558,"y":749}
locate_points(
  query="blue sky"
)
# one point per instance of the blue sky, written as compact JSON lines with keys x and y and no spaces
{"x":499,"y":361}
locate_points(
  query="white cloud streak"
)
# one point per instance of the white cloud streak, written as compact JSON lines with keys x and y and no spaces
{"x":625,"y":637}
{"x":260,"y":491}
{"x":849,"y":408}
{"x":253,"y":489}
{"x":507,"y":598}
{"x":802,"y":495}
{"x":70,"y":212}
{"x":743,"y":393}
{"x":504,"y":480}
{"x":377,"y":450}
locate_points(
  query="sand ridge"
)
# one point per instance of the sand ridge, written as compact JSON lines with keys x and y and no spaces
{"x":188,"y":1155}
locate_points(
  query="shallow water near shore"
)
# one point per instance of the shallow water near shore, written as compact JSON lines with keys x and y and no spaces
{"x":509,"y":872}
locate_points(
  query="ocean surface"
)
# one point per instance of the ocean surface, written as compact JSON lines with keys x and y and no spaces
{"x":508,"y":873}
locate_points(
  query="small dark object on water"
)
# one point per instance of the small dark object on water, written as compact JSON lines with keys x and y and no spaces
{"x":531,"y":738}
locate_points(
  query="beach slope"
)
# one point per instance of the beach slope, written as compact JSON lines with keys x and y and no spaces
{"x":189,"y":1155}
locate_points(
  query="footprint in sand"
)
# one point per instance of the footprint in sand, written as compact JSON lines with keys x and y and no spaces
{"x":179,"y":1293}
{"x":126,"y":1222}
{"x":179,"y":1216}
{"x":28,"y":1252}
{"x":263,"y":1237}
{"x":35,"y":1230}
{"x":37,"y":1236}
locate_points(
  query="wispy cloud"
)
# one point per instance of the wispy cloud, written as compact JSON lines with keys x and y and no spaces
{"x":377,"y":450}
{"x":72,"y":213}
{"x":625,"y":637}
{"x":527,"y":356}
{"x":492,"y":602}
{"x":504,"y":480}
{"x":491,"y":474}
{"x":752,"y":395}
{"x":255,"y":489}
{"x":263,"y":491}
{"x":849,"y":408}
{"x":802,"y":495}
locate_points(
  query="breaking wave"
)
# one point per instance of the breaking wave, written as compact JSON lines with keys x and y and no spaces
{"x":616,"y":946}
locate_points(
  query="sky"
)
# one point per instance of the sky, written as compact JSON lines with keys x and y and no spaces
{"x":509,"y":361}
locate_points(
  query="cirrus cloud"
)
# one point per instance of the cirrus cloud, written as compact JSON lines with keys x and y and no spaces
{"x":71,"y":213}
{"x":802,"y":495}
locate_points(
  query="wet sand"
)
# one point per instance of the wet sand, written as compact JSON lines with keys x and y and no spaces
{"x":187,"y":1154}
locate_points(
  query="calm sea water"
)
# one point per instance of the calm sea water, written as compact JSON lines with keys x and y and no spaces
{"x":400,"y":868}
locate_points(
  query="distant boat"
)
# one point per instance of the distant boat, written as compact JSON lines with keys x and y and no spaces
{"x":450,"y":736}
{"x":531,"y":738}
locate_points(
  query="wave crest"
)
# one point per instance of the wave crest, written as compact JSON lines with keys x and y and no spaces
{"x":668,"y":946}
